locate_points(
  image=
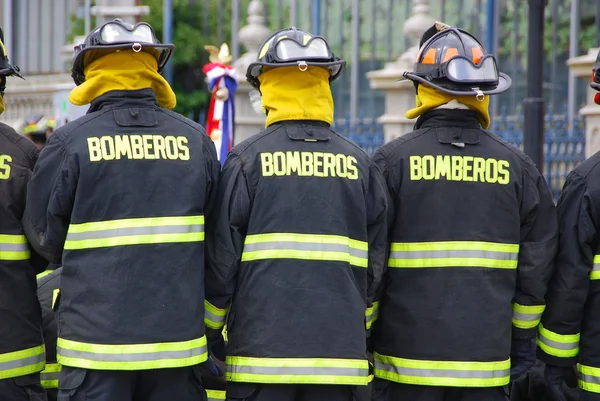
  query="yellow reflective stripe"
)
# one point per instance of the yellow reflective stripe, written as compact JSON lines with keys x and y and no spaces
{"x":589,"y":378}
{"x":453,"y":254}
{"x":213,"y":395}
{"x":214,"y":317}
{"x":442,"y":373}
{"x":50,"y":375}
{"x":306,"y":246}
{"x":153,"y":230}
{"x":22,"y":362}
{"x":43,"y":274}
{"x":372,"y":314}
{"x":595,"y":273}
{"x":527,"y":316}
{"x":55,"y":293}
{"x":13,"y":247}
{"x":297,"y":370}
{"x":131,"y":356}
{"x":559,"y":345}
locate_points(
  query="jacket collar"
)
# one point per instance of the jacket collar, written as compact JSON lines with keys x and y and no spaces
{"x":122,"y":98}
{"x":448,"y":118}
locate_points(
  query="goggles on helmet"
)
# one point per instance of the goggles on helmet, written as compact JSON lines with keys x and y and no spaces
{"x":113,"y":32}
{"x":462,"y":70}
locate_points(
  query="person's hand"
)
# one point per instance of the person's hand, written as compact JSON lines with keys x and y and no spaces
{"x":522,"y":357}
{"x":555,"y":376}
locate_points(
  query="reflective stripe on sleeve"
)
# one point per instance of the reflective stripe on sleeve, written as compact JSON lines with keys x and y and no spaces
{"x":372,"y":314}
{"x":43,"y":274}
{"x":13,"y":247}
{"x":23,"y":362}
{"x":306,"y":246}
{"x":527,"y":316}
{"x":131,"y":356}
{"x":559,"y":345}
{"x":595,"y":273}
{"x":442,"y":373}
{"x":49,"y":376}
{"x":214,"y":395}
{"x":153,"y":230}
{"x":214,"y":317}
{"x":589,"y":378}
{"x":406,"y":255}
{"x":297,"y":370}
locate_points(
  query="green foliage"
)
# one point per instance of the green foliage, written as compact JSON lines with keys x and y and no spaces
{"x":189,"y":40}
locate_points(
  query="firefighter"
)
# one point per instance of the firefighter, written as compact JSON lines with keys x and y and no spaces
{"x":38,"y":128}
{"x":569,"y":331}
{"x":299,"y":236}
{"x":472,"y":235}
{"x":21,"y":342}
{"x":119,"y":197}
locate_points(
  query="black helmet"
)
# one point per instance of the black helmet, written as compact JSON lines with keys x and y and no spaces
{"x":37,"y":125}
{"x":6,"y":69}
{"x":114,"y":36}
{"x":455,"y":62}
{"x":596,"y":74}
{"x":290,"y":47}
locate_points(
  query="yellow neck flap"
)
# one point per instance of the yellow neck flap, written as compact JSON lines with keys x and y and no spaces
{"x":291,"y":94}
{"x":124,"y":70}
{"x":2,"y":106}
{"x":429,"y":98}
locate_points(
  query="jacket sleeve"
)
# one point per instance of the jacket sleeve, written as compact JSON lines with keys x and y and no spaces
{"x":226,"y":231}
{"x":389,"y":185}
{"x":377,"y":233}
{"x":558,"y":338}
{"x":50,"y":195}
{"x":538,"y":246}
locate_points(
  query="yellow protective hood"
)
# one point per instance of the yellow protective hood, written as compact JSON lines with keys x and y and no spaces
{"x":291,"y":94}
{"x":124,"y":70}
{"x":2,"y":106}
{"x":429,"y":98}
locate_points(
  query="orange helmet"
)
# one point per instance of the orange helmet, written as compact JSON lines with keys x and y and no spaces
{"x":454,"y":61}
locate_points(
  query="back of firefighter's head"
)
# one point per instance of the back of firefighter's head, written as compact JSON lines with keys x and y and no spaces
{"x":596,"y":79}
{"x":293,"y":72}
{"x":6,"y":69}
{"x":38,"y":128}
{"x":453,"y":65}
{"x":117,"y":37}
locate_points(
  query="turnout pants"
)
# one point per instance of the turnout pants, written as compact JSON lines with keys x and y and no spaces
{"x":181,"y":384}
{"x":295,"y":392}
{"x":384,"y":390}
{"x":22,"y":388}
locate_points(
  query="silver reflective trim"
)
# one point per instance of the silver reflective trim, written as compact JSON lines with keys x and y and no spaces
{"x":21,"y":363}
{"x":306,"y":246}
{"x":461,"y":374}
{"x":527,"y":317}
{"x":123,"y":232}
{"x":13,"y":247}
{"x":49,"y":376}
{"x":299,"y":371}
{"x":212,"y":317}
{"x":588,"y":378}
{"x":137,"y":357}
{"x":596,"y":267}
{"x":454,"y":253}
{"x":557,"y":345}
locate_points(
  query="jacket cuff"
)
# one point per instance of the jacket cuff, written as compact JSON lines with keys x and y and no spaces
{"x":520,"y":334}
{"x":554,"y":360}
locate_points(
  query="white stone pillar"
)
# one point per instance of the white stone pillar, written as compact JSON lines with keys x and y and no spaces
{"x":582,"y":67}
{"x":400,"y":96}
{"x":247,"y":121}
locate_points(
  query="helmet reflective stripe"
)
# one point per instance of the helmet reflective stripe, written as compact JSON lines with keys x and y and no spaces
{"x":4,"y":54}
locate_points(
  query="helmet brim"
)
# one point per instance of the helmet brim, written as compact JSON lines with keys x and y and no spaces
{"x":162,"y":53}
{"x":504,"y":83}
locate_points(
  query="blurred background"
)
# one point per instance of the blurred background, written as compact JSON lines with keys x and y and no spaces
{"x":375,"y":37}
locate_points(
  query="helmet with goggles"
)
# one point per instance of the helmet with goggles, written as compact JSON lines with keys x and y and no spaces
{"x":6,"y":69}
{"x":114,"y":36}
{"x":455,"y":62}
{"x":294,"y":47}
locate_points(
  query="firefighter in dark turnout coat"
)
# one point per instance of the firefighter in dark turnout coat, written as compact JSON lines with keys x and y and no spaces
{"x":120,"y":197}
{"x":472,"y":234}
{"x":21,"y":342}
{"x":570,"y":328}
{"x":298,"y":242}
